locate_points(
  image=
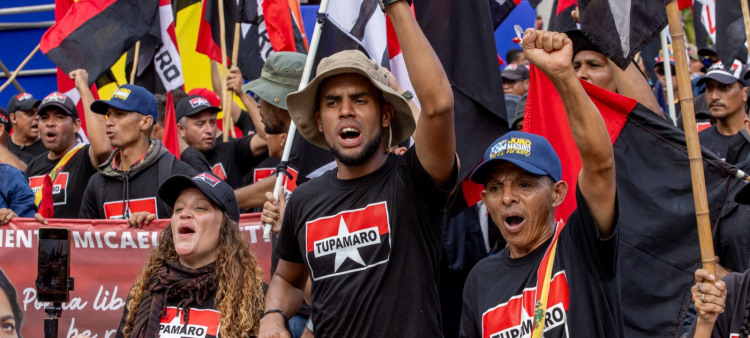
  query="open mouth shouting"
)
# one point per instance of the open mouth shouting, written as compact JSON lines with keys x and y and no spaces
{"x":50,"y":136}
{"x":185,"y":230}
{"x":350,"y":137}
{"x":513,"y":222}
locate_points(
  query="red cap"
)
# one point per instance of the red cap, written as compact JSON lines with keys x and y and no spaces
{"x":212,"y":97}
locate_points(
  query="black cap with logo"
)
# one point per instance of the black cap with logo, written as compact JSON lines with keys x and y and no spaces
{"x":5,"y":119}
{"x":192,"y":105}
{"x":23,"y":102}
{"x":218,"y":191}
{"x":61,"y":101}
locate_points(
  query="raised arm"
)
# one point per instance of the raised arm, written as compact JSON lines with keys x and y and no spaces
{"x":631,"y":83}
{"x":435,"y":138}
{"x":96,"y":129}
{"x":552,"y":53}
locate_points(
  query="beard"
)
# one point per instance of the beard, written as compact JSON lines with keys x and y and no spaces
{"x":368,"y":151}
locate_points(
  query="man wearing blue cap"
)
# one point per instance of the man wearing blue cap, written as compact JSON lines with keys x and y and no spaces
{"x":559,"y":277}
{"x":126,"y":186}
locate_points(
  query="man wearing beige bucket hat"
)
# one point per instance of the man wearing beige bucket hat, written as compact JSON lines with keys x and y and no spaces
{"x":369,"y":232}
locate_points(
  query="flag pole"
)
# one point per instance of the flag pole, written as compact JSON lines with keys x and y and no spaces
{"x":18,"y":70}
{"x":746,"y":16}
{"x":668,"y":74}
{"x":322,"y":13}
{"x":226,"y":111}
{"x":135,"y":62}
{"x":7,"y":74}
{"x":235,"y":54}
{"x":691,"y":137}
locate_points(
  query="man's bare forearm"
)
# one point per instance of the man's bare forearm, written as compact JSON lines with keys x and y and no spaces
{"x":8,"y":158}
{"x":631,"y":83}
{"x":254,"y":195}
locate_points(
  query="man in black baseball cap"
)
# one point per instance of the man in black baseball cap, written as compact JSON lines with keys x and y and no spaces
{"x":127,"y":183}
{"x":726,"y":95}
{"x":68,"y":162}
{"x":230,"y":161}
{"x":25,"y":142}
{"x":515,"y":79}
{"x":6,"y":156}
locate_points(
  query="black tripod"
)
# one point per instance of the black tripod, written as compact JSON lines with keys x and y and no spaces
{"x":54,"y":312}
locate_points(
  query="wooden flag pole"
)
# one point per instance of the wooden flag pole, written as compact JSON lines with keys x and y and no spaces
{"x":746,"y":16}
{"x":7,"y":74}
{"x":691,"y":137}
{"x":226,"y":111}
{"x":135,"y":62}
{"x":18,"y":70}
{"x":235,"y":53}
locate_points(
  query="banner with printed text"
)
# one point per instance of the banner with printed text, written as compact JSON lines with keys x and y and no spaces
{"x":105,"y":259}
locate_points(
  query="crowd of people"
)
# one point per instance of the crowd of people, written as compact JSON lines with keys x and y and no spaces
{"x":358,"y":249}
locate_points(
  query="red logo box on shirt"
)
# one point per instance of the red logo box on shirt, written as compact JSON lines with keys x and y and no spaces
{"x":516,"y":317}
{"x":201,"y":323}
{"x":218,"y":170}
{"x":114,"y":210}
{"x":59,"y":187}
{"x":349,"y":241}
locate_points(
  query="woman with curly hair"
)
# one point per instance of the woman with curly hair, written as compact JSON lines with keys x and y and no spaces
{"x":202,"y":279}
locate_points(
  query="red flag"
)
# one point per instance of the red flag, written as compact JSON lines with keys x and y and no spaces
{"x":279,"y":25}
{"x":64,"y":84}
{"x":46,"y":207}
{"x":170,"y":138}
{"x":545,"y":116}
{"x":684,"y":4}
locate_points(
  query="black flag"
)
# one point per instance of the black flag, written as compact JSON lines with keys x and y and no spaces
{"x":622,"y":28}
{"x":730,"y":32}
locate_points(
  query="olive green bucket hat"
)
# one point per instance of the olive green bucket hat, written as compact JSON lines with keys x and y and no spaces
{"x":281,"y":75}
{"x":302,"y":103}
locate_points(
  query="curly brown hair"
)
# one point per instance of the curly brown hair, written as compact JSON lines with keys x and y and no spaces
{"x":239,"y":295}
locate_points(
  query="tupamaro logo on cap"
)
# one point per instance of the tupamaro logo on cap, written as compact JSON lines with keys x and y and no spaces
{"x":54,"y":97}
{"x":122,"y":93}
{"x":199,"y":101}
{"x":514,"y":145}
{"x":212,"y":181}
{"x":24,"y":97}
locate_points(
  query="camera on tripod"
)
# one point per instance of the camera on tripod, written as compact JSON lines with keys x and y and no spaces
{"x":53,"y":281}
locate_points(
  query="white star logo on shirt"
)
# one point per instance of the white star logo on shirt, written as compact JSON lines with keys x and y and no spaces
{"x":343,"y":253}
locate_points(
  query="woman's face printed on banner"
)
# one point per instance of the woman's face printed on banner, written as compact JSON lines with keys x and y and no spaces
{"x":196,"y":224}
{"x":7,"y":319}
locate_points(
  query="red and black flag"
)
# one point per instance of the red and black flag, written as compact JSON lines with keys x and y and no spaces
{"x":94,"y":34}
{"x":561,"y":19}
{"x":622,"y":28}
{"x":267,"y":26}
{"x":159,"y":62}
{"x":500,"y":10}
{"x":701,"y":33}
{"x":730,"y":32}
{"x":480,"y":116}
{"x":659,"y":239}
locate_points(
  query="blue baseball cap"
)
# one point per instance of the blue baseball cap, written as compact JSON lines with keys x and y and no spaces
{"x":129,"y":98}
{"x":530,"y":152}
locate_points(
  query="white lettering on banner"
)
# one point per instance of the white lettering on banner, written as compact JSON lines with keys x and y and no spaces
{"x":253,"y":233}
{"x":10,"y":238}
{"x":29,"y":295}
{"x":114,"y":304}
{"x":73,"y":331}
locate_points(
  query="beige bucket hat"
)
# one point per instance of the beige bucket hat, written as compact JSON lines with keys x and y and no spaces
{"x":302,"y":103}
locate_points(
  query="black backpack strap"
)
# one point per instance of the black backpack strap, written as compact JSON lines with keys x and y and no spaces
{"x":165,"y":171}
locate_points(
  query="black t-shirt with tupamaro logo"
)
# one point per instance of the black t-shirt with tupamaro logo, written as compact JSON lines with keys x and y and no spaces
{"x":27,"y":153}
{"x":372,"y":246}
{"x":68,"y":187}
{"x":232,"y":160}
{"x":584,"y":294}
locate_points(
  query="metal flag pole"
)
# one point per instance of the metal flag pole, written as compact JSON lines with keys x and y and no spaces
{"x":322,"y":12}
{"x":668,"y":74}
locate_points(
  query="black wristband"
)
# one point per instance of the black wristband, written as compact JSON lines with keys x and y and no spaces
{"x":386,"y":3}
{"x":286,"y":320}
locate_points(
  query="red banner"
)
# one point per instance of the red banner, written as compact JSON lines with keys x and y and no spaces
{"x":105,"y":259}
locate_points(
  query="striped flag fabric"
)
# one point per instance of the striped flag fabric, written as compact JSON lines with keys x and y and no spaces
{"x":94,"y":34}
{"x":621,"y":28}
{"x":560,"y":17}
{"x":159,"y":62}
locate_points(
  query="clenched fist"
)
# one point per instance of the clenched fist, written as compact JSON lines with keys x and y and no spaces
{"x":551,"y":52}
